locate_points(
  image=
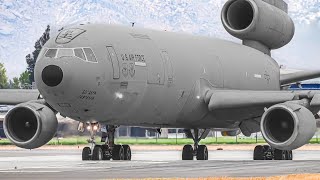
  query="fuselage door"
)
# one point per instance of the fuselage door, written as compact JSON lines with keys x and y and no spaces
{"x":115,"y":62}
{"x":168,"y":67}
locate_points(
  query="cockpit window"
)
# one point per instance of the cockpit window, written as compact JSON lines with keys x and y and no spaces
{"x":90,"y":55}
{"x":79,"y":53}
{"x":83,"y":53}
{"x":65,"y":53}
{"x":51,"y":53}
{"x":42,"y":52}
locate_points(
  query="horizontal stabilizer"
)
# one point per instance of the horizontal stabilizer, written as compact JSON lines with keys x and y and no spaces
{"x":17,"y":96}
{"x":298,"y":76}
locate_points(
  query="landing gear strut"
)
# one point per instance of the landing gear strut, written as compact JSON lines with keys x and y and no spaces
{"x":106,"y":151}
{"x":199,"y":151}
{"x":268,"y":153}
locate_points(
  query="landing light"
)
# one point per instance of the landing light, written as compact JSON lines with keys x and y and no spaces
{"x":88,"y":128}
{"x":198,"y":97}
{"x":119,"y":95}
{"x":95,"y":128}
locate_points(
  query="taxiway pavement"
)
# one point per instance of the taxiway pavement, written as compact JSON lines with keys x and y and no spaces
{"x":67,"y":164}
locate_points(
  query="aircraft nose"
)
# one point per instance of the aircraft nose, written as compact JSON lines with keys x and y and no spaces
{"x":52,"y":75}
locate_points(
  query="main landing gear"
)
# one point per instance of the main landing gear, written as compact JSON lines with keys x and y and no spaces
{"x":266,"y":152}
{"x":107,"y":151}
{"x":199,"y":151}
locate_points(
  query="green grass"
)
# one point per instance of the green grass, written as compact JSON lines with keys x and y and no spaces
{"x":145,"y":141}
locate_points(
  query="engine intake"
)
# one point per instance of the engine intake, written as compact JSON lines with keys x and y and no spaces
{"x":257,"y":21}
{"x":288,"y":126}
{"x":30,"y":125}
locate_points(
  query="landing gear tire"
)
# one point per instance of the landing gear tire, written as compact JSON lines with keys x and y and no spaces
{"x":97,"y":153}
{"x":106,"y":153}
{"x":282,"y":155}
{"x":187,"y":152}
{"x":202,"y":152}
{"x":279,"y":154}
{"x":268,"y":152}
{"x":127,"y":152}
{"x":289,"y":155}
{"x":258,"y":153}
{"x":86,"y":154}
{"x":118,"y":152}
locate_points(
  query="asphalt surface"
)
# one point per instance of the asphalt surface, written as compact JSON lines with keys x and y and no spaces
{"x":67,"y":164}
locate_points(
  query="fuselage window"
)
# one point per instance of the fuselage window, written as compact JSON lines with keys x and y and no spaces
{"x":65,"y":53}
{"x":51,"y":53}
{"x":79,"y":53}
{"x":90,"y":55}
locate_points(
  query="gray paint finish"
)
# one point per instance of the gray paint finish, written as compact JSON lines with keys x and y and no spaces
{"x":151,"y":96}
{"x":141,"y":77}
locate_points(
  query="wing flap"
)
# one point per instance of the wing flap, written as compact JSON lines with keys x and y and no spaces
{"x":17,"y":96}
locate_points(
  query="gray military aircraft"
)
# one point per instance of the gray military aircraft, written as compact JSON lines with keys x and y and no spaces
{"x":109,"y":76}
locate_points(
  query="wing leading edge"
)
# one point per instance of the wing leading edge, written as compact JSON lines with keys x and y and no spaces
{"x":224,"y":99}
{"x":17,"y":96}
{"x":298,"y":76}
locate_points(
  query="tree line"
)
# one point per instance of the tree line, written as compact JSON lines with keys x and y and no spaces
{"x":26,"y":78}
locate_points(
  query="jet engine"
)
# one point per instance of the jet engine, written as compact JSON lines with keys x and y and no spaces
{"x":258,"y":21}
{"x":288,"y":126}
{"x":30,"y":125}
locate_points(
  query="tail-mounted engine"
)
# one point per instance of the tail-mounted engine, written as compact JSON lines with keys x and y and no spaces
{"x":30,"y":125}
{"x":288,"y":126}
{"x":261,"y":24}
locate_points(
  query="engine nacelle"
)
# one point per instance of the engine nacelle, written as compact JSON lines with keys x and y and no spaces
{"x":288,"y":126}
{"x":256,"y":20}
{"x":30,"y":125}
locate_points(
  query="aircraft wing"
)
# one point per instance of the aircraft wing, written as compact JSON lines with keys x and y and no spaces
{"x":222,"y":99}
{"x":17,"y":96}
{"x":298,"y":76}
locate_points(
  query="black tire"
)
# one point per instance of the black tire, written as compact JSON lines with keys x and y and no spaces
{"x":202,"y":152}
{"x":187,"y":152}
{"x":289,"y":155}
{"x":279,"y":154}
{"x":258,"y":153}
{"x":106,"y":152}
{"x":97,"y":153}
{"x":86,"y":154}
{"x":117,"y":152}
{"x":127,"y":152}
{"x":267,"y":152}
{"x":266,"y":148}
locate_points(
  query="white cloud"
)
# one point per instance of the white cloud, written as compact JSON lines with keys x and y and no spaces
{"x":22,"y":22}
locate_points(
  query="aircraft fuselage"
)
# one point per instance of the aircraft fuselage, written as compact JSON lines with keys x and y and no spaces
{"x":149,"y":78}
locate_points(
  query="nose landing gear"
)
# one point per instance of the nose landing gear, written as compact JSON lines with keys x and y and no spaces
{"x":106,"y":151}
{"x":199,"y":151}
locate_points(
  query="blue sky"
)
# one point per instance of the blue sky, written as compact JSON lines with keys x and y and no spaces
{"x":23,"y":21}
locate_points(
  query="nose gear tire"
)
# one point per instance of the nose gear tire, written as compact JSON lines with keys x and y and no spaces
{"x":86,"y":154}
